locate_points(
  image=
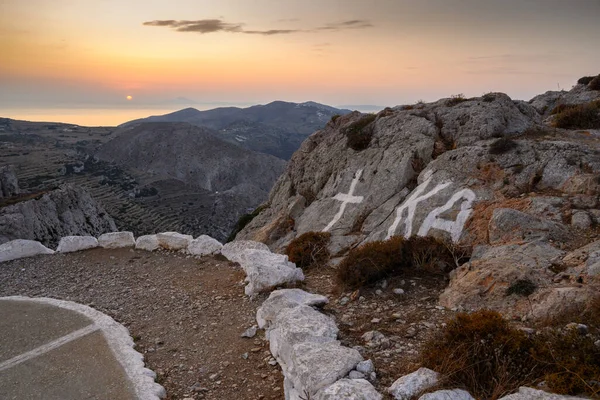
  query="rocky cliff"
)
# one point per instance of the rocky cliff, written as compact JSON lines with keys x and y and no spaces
{"x":48,"y":216}
{"x":519,"y":181}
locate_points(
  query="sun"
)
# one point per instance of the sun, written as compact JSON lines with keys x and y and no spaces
{"x":129,"y":97}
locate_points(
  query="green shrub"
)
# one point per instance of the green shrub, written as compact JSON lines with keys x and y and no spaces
{"x":245,"y":220}
{"x":309,"y":250}
{"x":502,"y":145}
{"x":488,"y":97}
{"x":583,"y":116}
{"x":374,"y":261}
{"x":521,"y":287}
{"x":360,"y":132}
{"x":485,"y":354}
{"x":335,"y":117}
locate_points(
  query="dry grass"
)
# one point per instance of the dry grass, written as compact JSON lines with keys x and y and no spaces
{"x":378,"y":260}
{"x":583,"y":116}
{"x":485,"y":354}
{"x":309,"y":250}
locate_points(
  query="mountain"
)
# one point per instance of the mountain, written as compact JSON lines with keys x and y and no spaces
{"x":517,"y":182}
{"x":171,"y":160}
{"x":277,"y":128}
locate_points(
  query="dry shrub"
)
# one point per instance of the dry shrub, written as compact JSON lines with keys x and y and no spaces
{"x":485,"y":354}
{"x":455,"y":99}
{"x":502,"y":145}
{"x":309,"y":250}
{"x":594,"y":83}
{"x":245,"y":220}
{"x":360,"y":133}
{"x":583,"y":116}
{"x":374,"y":261}
{"x":490,"y":173}
{"x":585,"y":80}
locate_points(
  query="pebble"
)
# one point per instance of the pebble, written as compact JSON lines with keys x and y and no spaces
{"x":250,"y":332}
{"x":344,"y":300}
{"x":398,"y":291}
{"x":376,"y":320}
{"x":366,"y":367}
{"x":356,"y":375}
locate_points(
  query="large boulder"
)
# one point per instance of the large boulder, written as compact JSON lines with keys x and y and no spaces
{"x":204,"y":245}
{"x":233,"y":250}
{"x":508,"y":225}
{"x":147,"y":242}
{"x":283,"y":299}
{"x":265,"y":270}
{"x":408,"y":386}
{"x":349,"y":389}
{"x":116,"y":240}
{"x":174,"y":240}
{"x":21,"y":248}
{"x":71,"y":244}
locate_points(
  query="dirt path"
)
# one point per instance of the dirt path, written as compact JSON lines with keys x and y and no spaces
{"x":186,"y":315}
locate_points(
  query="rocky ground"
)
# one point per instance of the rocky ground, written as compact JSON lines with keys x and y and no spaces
{"x":186,"y":315}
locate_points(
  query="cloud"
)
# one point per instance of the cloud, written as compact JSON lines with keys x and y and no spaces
{"x":218,"y":25}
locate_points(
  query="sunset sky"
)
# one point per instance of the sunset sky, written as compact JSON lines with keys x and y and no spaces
{"x":87,"y":53}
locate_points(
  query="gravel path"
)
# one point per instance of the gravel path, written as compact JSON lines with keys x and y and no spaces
{"x":186,"y":315}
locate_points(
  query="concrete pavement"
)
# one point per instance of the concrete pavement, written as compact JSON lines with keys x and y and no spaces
{"x":58,"y":350}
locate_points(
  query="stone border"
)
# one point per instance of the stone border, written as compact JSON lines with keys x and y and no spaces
{"x":119,"y":341}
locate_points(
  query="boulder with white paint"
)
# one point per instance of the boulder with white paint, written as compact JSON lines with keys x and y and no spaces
{"x":21,"y":248}
{"x":455,"y":394}
{"x":174,"y":240}
{"x":284,"y":299}
{"x":314,"y":366}
{"x":204,"y":245}
{"x":147,"y":242}
{"x":233,"y":250}
{"x":69,"y":244}
{"x":116,"y":240}
{"x":526,"y":393}
{"x":349,"y":389}
{"x":412,"y":384}
{"x":301,"y":324}
{"x":266,"y":270}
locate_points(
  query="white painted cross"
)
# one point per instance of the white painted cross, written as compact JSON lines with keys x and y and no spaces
{"x":346,"y":198}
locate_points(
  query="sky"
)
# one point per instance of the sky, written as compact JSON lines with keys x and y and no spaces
{"x":95,"y":53}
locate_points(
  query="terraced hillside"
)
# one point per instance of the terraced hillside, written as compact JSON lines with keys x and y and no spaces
{"x":46,"y":155}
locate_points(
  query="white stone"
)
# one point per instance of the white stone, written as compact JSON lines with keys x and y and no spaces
{"x":234,"y":250}
{"x":204,"y":245}
{"x":349,"y":389}
{"x":356,"y":375}
{"x":455,"y":394}
{"x":526,"y":393}
{"x":283,"y":299}
{"x":301,"y":324}
{"x":174,"y":240}
{"x":412,"y":384}
{"x":21,"y":248}
{"x":366,"y":367}
{"x":147,"y":242}
{"x":69,"y":244}
{"x":398,"y":291}
{"x":115,"y":240}
{"x":266,"y":270}
{"x":315,"y":366}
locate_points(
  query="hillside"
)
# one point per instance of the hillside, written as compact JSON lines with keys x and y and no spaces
{"x":517,"y":182}
{"x":277,"y":128}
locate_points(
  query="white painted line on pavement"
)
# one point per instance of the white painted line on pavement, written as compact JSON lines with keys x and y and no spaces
{"x":48,"y":347}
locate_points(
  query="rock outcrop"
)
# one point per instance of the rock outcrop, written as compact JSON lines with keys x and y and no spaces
{"x":488,"y":172}
{"x":66,"y":211}
{"x":9,"y":185}
{"x":21,"y":248}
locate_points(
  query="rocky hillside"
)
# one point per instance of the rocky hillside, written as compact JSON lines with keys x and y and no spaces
{"x":228,"y":180}
{"x":517,"y":181}
{"x":277,"y":128}
{"x":47,"y":216}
